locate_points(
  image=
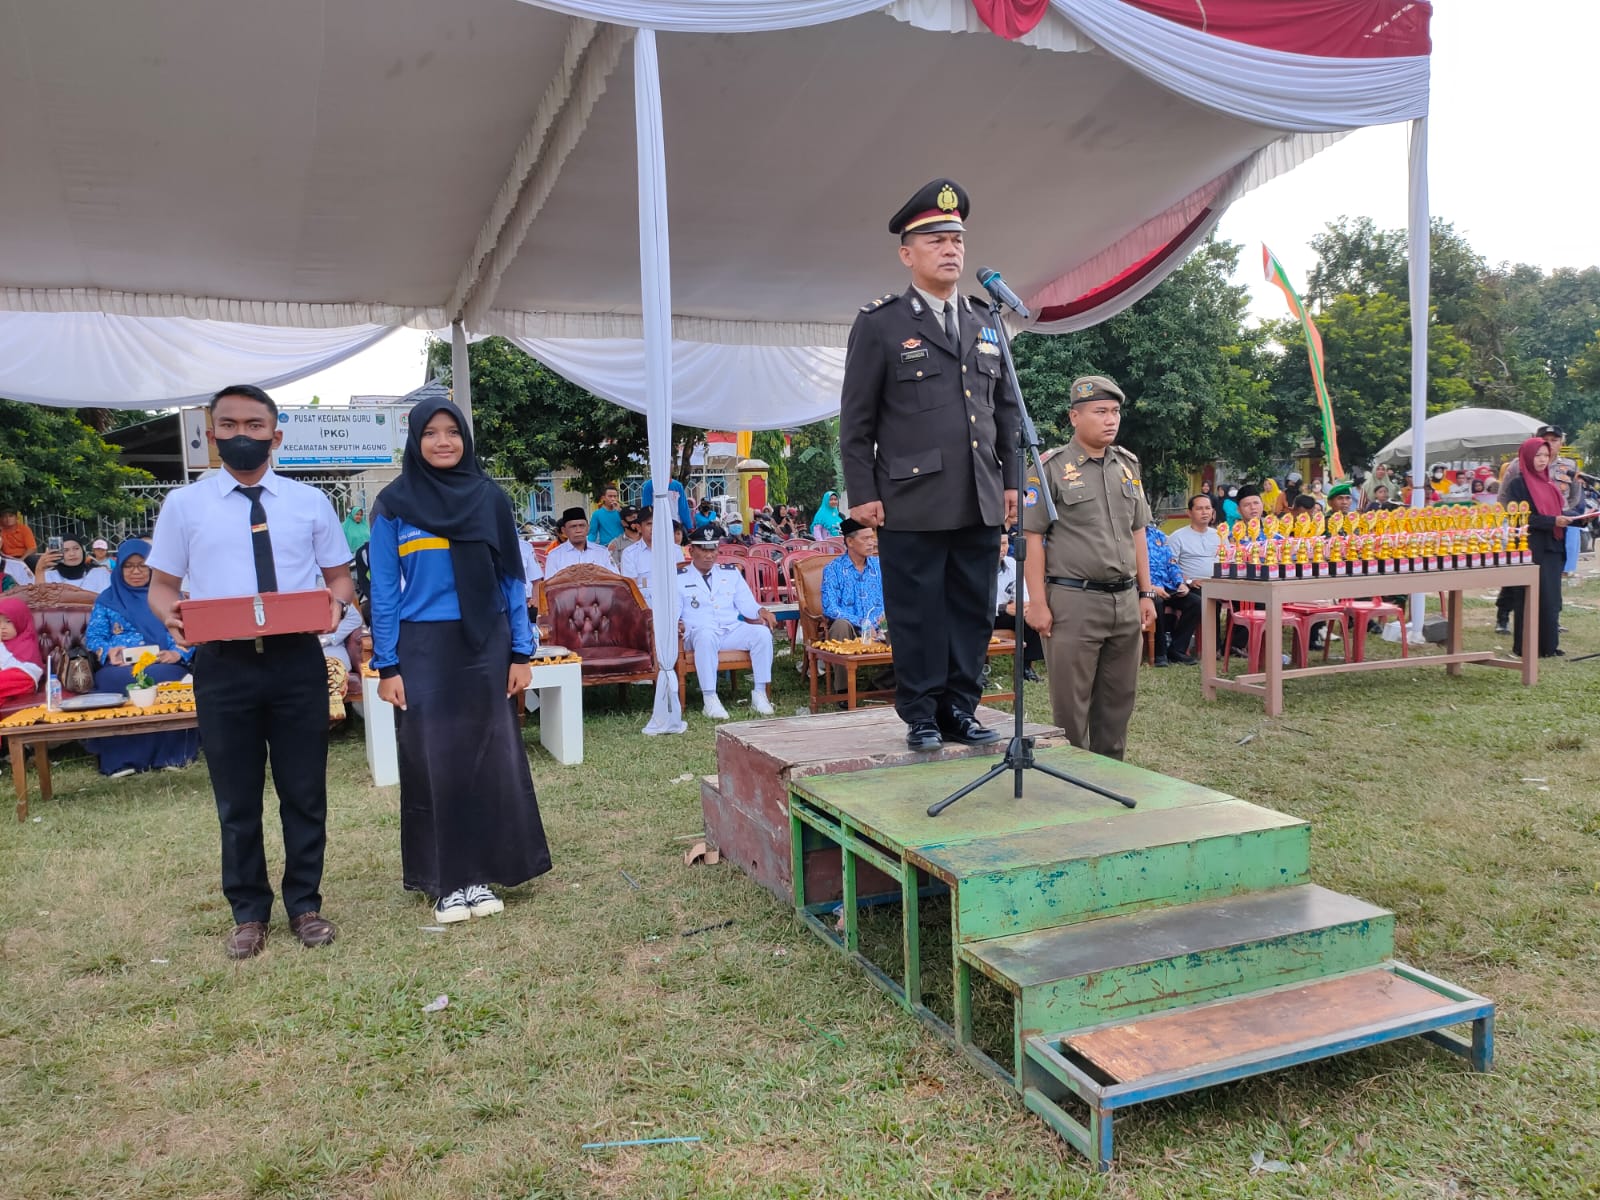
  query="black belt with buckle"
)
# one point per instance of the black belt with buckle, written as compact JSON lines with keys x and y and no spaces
{"x":1090,"y":585}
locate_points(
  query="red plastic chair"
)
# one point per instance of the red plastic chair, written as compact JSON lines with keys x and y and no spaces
{"x":767,"y":550}
{"x":762,"y":576}
{"x":1359,"y":612}
{"x":1254,"y":623}
{"x":795,"y":545}
{"x":1313,"y":613}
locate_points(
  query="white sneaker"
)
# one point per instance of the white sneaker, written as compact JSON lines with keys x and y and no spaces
{"x":452,"y":908}
{"x":759,"y":702}
{"x":122,"y":774}
{"x":713,"y":709}
{"x":481,"y":901}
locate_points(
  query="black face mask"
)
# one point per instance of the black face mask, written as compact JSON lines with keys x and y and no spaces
{"x":244,"y":453}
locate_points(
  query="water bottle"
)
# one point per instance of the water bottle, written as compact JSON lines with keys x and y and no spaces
{"x":52,"y":687}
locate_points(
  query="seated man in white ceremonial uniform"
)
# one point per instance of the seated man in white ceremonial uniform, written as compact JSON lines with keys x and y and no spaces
{"x":712,"y":599}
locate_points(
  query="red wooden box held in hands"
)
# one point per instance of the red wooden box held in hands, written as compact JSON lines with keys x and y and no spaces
{"x":244,"y":618}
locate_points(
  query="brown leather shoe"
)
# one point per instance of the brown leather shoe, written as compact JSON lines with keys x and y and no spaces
{"x":313,"y":929}
{"x":247,"y":940}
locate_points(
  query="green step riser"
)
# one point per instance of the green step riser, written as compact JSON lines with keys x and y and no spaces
{"x":1123,"y":993}
{"x":1036,"y":898}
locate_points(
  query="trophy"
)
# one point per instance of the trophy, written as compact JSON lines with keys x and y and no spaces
{"x":1319,"y":568}
{"x":1272,"y":571}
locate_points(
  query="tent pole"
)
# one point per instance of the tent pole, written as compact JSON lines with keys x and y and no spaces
{"x":460,"y":372}
{"x":655,"y":292}
{"x":1420,"y":256}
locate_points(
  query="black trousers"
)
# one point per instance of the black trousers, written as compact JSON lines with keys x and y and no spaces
{"x":938,"y":594}
{"x":1181,"y":618}
{"x":1032,"y":643}
{"x":253,"y":706}
{"x":1551,"y":556}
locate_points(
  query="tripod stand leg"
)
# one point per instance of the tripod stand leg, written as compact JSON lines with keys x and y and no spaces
{"x":994,"y":772}
{"x":1125,"y":801}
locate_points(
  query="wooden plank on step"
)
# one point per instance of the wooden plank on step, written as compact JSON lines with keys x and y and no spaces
{"x":1249,"y":1025}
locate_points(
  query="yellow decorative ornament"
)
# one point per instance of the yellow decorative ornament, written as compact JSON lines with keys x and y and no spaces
{"x":946,"y":200}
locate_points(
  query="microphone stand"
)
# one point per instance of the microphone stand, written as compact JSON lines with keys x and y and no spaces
{"x":1019,"y":756}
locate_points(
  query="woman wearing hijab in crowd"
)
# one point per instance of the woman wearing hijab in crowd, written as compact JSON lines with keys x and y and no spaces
{"x":72,"y":565}
{"x":21,"y":663}
{"x":826,"y":520}
{"x":120,"y":621}
{"x":356,"y":529}
{"x":451,"y":642}
{"x":1547,"y":541}
{"x":1230,"y":504}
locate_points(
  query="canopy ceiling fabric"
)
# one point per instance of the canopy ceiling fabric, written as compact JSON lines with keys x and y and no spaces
{"x":1464,"y":433}
{"x":377,"y":163}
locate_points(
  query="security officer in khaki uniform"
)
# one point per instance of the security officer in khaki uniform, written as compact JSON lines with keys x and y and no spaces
{"x":926,"y":421}
{"x":1088,"y":572}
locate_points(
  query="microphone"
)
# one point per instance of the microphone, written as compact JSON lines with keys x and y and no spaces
{"x":996,"y":287}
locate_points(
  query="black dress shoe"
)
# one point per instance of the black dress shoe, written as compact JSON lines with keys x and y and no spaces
{"x":964,"y":727}
{"x":1183,"y":660}
{"x":924,"y":735}
{"x":1030,"y":675}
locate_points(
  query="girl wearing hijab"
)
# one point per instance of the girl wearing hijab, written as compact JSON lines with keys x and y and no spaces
{"x":451,"y":642}
{"x":21,"y":663}
{"x":826,"y":520}
{"x":122,"y":620}
{"x":356,"y":529}
{"x":1547,"y":541}
{"x":72,"y":565}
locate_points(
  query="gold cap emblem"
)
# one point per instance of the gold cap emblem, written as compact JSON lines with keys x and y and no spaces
{"x":947,"y":199}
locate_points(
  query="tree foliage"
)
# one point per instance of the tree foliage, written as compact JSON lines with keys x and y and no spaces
{"x":1194,"y":377}
{"x":813,"y":465}
{"x":767,"y":445}
{"x":53,"y":462}
{"x":528,"y":420}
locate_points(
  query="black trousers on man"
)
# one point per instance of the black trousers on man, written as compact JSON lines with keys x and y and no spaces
{"x":255,"y":705}
{"x":939,"y":598}
{"x":1181,"y":617}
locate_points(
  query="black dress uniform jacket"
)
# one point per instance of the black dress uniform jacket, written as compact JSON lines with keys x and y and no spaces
{"x":927,"y":428}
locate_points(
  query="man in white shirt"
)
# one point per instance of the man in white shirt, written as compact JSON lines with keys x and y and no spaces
{"x":712,"y":599}
{"x":638,"y":558}
{"x":242,"y":532}
{"x":1194,"y":550}
{"x":575,"y":547}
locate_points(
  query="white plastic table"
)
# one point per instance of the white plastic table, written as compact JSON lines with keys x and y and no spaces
{"x":557,"y":695}
{"x":560,"y":705}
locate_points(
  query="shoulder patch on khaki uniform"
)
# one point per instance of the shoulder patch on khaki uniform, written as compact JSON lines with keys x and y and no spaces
{"x":1049,"y":454}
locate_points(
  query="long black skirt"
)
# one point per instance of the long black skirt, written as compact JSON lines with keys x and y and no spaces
{"x":467,"y":809}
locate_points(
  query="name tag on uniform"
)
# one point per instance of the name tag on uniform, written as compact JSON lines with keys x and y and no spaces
{"x":912,"y":355}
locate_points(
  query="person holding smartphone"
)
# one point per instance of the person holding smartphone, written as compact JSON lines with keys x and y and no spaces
{"x":66,"y":561}
{"x":1547,"y":525}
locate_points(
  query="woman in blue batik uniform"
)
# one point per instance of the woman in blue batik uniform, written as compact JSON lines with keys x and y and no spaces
{"x":121,"y":620}
{"x":451,"y":642}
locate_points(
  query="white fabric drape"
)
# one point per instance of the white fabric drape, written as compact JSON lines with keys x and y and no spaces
{"x":714,"y":387}
{"x":1268,"y":87}
{"x":655,"y":287}
{"x":460,"y":371}
{"x":1420,"y":248}
{"x":713,"y":16}
{"x":95,"y":360}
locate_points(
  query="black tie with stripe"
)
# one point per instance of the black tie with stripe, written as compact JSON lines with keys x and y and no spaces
{"x":261,"y":541}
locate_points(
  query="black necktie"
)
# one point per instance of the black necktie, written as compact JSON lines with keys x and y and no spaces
{"x":261,"y":542}
{"x":950,"y":324}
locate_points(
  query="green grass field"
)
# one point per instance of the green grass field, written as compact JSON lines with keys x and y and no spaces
{"x":136,"y":1061}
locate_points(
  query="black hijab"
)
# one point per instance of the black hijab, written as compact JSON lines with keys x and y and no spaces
{"x":79,"y":571}
{"x":464,"y":505}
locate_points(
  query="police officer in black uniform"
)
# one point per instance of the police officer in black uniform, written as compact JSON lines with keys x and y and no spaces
{"x":926,"y":429}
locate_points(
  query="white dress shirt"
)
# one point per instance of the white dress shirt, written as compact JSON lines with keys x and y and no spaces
{"x":564,"y":556}
{"x":715,"y":601}
{"x":95,"y":579}
{"x":203,"y":533}
{"x":531,"y":572}
{"x":18,"y":570}
{"x":637,"y":561}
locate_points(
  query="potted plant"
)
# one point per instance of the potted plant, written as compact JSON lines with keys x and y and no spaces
{"x":142,"y":688}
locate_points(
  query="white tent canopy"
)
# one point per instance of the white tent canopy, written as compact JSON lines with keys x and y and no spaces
{"x":501,"y":166}
{"x":1464,"y":433}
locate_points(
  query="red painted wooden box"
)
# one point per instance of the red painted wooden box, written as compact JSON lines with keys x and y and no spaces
{"x":241,"y":618}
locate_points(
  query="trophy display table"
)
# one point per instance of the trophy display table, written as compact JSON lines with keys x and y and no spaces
{"x":115,"y":721}
{"x":822,"y":660}
{"x":1274,"y":594}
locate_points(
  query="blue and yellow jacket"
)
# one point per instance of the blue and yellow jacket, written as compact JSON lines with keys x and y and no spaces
{"x":412,"y":580}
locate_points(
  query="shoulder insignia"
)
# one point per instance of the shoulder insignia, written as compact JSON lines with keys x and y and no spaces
{"x":1049,"y":454}
{"x":682,"y":567}
{"x":1123,"y":452}
{"x":886,"y":298}
{"x":727,"y":567}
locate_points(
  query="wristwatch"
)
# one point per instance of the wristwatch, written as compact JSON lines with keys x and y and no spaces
{"x":1147,"y":595}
